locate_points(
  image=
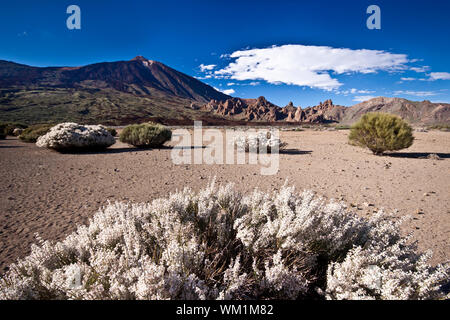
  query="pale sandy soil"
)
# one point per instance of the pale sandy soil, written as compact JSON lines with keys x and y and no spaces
{"x":45,"y":192}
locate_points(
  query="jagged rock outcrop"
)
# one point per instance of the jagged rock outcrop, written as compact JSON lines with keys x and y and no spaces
{"x":323,"y":113}
{"x":424,"y":112}
{"x":262,"y":110}
{"x":246,"y":109}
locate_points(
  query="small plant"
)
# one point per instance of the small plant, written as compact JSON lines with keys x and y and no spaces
{"x":7,"y":128}
{"x":260,"y":142}
{"x":441,"y":127}
{"x":73,"y":137}
{"x":31,"y":134}
{"x":2,"y":131}
{"x":17,"y":132}
{"x":112,"y":131}
{"x":342,"y":127}
{"x":146,"y":135}
{"x":381,"y":132}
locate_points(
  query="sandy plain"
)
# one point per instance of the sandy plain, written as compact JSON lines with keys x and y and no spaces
{"x":49,"y":193}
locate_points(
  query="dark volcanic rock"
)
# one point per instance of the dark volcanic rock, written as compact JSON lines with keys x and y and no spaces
{"x":262,"y":110}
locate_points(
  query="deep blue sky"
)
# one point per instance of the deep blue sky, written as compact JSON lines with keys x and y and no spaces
{"x":185,"y":34}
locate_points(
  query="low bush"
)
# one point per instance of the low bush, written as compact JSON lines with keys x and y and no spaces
{"x":9,"y":127}
{"x":146,"y":135}
{"x":17,"y":132}
{"x":2,"y":131}
{"x":73,"y":137}
{"x":260,"y":142}
{"x":381,"y":132}
{"x":32,"y":133}
{"x":219,"y":244}
{"x":442,"y":127}
{"x":112,"y":131}
{"x":342,"y":127}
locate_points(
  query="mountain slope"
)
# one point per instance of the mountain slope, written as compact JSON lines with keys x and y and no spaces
{"x":111,"y":92}
{"x":420,"y":112}
{"x":138,"y":76}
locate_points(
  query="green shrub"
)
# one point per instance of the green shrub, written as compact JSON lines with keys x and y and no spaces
{"x":381,"y":132}
{"x":442,"y":127}
{"x":146,"y":135}
{"x":7,"y":128}
{"x":112,"y":131}
{"x":31,"y":134}
{"x":2,"y":131}
{"x":342,"y":127}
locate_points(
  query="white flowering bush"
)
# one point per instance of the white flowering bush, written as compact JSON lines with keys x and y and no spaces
{"x":219,"y":244}
{"x":72,"y":136}
{"x":259,"y":142}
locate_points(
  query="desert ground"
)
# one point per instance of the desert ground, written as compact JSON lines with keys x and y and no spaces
{"x":49,"y":193}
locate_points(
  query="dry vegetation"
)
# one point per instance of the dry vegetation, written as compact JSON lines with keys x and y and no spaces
{"x":273,"y":242}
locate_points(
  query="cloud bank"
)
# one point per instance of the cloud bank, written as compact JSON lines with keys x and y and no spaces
{"x":415,"y":93}
{"x":207,"y":67}
{"x":311,"y":66}
{"x":439,"y":76}
{"x":362,"y":98}
{"x":229,"y":91}
{"x":226,"y":91}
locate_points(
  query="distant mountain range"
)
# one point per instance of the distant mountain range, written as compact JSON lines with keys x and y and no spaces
{"x":424,"y":112}
{"x":124,"y":92}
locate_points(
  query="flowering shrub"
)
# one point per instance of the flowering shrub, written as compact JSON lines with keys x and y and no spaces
{"x":218,"y":244}
{"x":70,"y":136}
{"x":259,"y":142}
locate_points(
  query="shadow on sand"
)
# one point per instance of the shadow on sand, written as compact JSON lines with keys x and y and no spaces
{"x":417,"y":155}
{"x":123,"y":150}
{"x":294,"y":151}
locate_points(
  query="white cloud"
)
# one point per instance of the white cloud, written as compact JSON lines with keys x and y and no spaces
{"x":365,"y":91}
{"x":308,"y":65}
{"x":420,"y":69}
{"x":229,"y":91}
{"x":439,"y":76}
{"x":354,"y":90}
{"x":433,"y":76}
{"x":362,"y":98}
{"x":207,"y":67}
{"x":415,"y":93}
